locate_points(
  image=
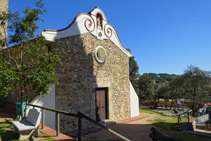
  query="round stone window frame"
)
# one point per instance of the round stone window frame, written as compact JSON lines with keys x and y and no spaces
{"x":102,"y":52}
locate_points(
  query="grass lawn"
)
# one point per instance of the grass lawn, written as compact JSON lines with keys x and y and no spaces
{"x":6,"y":133}
{"x":166,"y":125}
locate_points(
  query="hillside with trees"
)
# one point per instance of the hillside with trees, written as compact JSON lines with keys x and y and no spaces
{"x":194,"y":85}
{"x":148,"y":84}
{"x":162,"y":77}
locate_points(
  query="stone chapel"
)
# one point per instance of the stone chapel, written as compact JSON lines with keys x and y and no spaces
{"x":94,"y":77}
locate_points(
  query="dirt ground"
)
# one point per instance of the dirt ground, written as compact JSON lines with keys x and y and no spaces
{"x":139,"y":130}
{"x":135,"y":131}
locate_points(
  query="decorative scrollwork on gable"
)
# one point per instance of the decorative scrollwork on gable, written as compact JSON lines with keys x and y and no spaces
{"x":90,"y":24}
{"x":107,"y":30}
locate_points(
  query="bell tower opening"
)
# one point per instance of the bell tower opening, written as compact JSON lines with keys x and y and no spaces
{"x":99,"y":21}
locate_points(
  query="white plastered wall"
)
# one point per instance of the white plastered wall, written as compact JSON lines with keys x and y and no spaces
{"x":85,"y":23}
{"x":134,"y":102}
{"x":47,"y":101}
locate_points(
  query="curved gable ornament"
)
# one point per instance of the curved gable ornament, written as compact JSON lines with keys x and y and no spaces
{"x":89,"y":24}
{"x":95,"y":22}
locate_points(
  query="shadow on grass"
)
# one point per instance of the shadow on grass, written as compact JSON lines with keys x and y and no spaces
{"x":6,"y":135}
{"x":6,"y":131}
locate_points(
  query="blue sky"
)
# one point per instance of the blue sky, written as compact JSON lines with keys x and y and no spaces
{"x":165,"y":36}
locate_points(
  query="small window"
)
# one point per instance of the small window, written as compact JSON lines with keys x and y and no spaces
{"x":99,"y":21}
{"x":100,"y":54}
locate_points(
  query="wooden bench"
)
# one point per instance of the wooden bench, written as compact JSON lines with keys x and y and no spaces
{"x":28,"y":127}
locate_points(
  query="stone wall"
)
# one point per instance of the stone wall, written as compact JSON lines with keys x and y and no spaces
{"x":16,"y":97}
{"x":202,"y":118}
{"x":3,"y":7}
{"x":81,"y":74}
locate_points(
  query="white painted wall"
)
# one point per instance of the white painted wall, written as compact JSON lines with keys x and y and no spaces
{"x":134,"y":102}
{"x":47,"y":101}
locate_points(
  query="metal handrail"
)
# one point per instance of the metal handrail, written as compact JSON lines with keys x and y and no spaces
{"x":54,"y":110}
{"x":178,"y":115}
{"x":102,"y":126}
{"x":79,"y":115}
{"x":57,"y":115}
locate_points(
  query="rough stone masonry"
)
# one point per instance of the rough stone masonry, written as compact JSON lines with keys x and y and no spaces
{"x":3,"y":7}
{"x":80,"y":74}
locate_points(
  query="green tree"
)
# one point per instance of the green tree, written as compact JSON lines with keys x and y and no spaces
{"x":193,"y":85}
{"x":133,"y":73}
{"x":162,"y":91}
{"x":196,"y":87}
{"x":174,"y":90}
{"x":162,"y":77}
{"x":28,"y":63}
{"x":146,"y":87}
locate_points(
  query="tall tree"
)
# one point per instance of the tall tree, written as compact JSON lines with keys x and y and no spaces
{"x":163,"y":91}
{"x":193,"y":85}
{"x":146,"y":87}
{"x":133,"y":70}
{"x":196,"y":85}
{"x":174,"y":89}
{"x":28,"y":63}
{"x":162,"y":77}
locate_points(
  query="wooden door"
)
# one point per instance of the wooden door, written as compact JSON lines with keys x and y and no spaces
{"x":101,"y":104}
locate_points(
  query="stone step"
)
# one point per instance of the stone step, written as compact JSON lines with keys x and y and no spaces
{"x":109,"y":123}
{"x":106,"y":123}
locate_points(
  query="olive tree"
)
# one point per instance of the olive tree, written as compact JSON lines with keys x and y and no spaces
{"x":196,"y":87}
